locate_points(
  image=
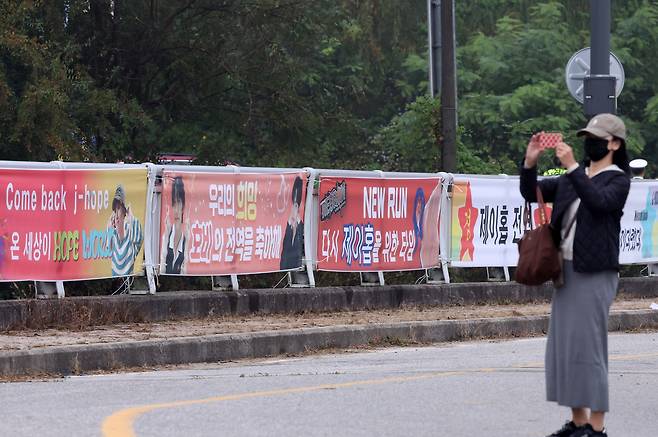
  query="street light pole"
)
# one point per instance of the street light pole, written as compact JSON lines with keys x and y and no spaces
{"x":599,"y":86}
{"x":434,"y":40}
{"x":600,"y":36}
{"x":448,"y":88}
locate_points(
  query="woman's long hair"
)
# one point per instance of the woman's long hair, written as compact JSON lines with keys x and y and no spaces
{"x":620,"y":158}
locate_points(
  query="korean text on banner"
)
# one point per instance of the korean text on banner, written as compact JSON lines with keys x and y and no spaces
{"x":487,"y":221}
{"x":377,"y":224}
{"x":71,"y":224}
{"x":638,"y":237}
{"x":231,"y":223}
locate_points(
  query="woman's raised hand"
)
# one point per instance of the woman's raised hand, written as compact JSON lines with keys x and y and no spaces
{"x":534,"y":151}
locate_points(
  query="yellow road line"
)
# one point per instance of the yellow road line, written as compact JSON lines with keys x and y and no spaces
{"x":540,"y":364}
{"x":120,"y":424}
{"x":632,"y":357}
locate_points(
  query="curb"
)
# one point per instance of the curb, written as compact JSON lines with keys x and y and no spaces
{"x":78,"y":359}
{"x":103,"y":310}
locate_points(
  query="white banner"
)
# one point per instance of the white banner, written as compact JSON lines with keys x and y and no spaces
{"x":638,"y":239}
{"x":487,"y":221}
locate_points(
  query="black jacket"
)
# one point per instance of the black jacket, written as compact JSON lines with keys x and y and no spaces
{"x":602,"y":199}
{"x":291,"y":255}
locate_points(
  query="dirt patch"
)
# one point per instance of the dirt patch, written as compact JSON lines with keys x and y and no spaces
{"x":33,"y":339}
{"x":72,"y":314}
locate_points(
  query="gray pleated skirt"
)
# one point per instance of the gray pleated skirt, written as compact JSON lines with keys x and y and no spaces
{"x":577,"y":348}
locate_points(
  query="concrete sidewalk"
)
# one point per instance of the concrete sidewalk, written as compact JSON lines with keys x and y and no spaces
{"x":335,"y":317}
{"x":64,"y":360}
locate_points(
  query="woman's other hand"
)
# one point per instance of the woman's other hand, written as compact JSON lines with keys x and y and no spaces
{"x":564,"y":152}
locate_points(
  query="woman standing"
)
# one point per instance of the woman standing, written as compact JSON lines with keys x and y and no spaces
{"x":588,"y":203}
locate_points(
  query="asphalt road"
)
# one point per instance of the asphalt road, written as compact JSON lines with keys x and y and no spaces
{"x":461,"y":389}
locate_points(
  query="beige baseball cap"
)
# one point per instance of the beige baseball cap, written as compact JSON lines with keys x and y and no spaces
{"x":603,"y":125}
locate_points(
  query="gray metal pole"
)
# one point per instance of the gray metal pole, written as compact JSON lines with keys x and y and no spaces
{"x":599,"y":86}
{"x":448,"y":88}
{"x":434,"y":32}
{"x":600,"y":37}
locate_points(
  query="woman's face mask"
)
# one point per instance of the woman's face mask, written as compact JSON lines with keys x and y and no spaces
{"x":596,"y":148}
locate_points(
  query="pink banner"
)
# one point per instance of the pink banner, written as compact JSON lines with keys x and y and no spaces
{"x":225,"y":223}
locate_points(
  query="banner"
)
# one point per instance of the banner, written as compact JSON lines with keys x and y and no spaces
{"x":638,"y":238}
{"x":231,"y":223}
{"x":376,"y":224}
{"x":487,"y":221}
{"x":70,"y":224}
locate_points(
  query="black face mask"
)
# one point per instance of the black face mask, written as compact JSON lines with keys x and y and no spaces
{"x":596,"y":148}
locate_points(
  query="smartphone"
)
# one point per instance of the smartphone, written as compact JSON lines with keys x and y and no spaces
{"x":549,"y":140}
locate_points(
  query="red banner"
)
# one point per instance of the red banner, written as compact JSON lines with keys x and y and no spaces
{"x":225,"y":223}
{"x":376,"y":224}
{"x":70,"y":224}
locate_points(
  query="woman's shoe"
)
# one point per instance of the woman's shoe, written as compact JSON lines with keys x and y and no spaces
{"x":588,"y":431}
{"x":567,"y":430}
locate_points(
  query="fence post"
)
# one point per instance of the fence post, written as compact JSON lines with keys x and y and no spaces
{"x":369,"y":278}
{"x":235,"y":284}
{"x":310,"y":227}
{"x":149,"y":236}
{"x":445,"y":239}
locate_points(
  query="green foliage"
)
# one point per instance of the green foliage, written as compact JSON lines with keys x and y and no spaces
{"x":409,"y":142}
{"x":511,"y":62}
{"x":326,"y":83}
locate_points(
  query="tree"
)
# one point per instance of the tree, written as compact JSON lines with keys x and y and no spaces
{"x":511,"y":81}
{"x":300,"y":82}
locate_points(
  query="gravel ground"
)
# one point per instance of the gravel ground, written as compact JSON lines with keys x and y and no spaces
{"x":25,"y":340}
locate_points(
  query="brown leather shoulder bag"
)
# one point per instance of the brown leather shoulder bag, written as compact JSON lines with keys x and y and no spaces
{"x":539,"y":258}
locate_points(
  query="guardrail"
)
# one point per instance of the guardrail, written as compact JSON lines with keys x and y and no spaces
{"x":78,"y":221}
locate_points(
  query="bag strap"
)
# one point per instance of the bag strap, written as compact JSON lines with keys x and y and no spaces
{"x":527,"y":217}
{"x":542,"y":207}
{"x":571,"y":222}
